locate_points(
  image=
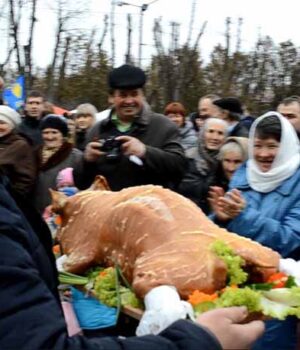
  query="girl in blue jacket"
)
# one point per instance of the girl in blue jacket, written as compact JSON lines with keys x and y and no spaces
{"x":263,"y":203}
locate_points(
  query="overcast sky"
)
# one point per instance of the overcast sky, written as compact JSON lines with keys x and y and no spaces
{"x":280,"y":20}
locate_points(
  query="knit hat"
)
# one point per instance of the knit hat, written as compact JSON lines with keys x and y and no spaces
{"x":54,"y":121}
{"x":126,"y":77}
{"x":65,"y":178}
{"x":9,"y":116}
{"x":86,"y":108}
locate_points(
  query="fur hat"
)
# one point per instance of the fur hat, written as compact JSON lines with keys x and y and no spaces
{"x":126,"y":77}
{"x":54,"y":121}
{"x":86,"y":108}
{"x":9,"y":116}
{"x":231,"y":104}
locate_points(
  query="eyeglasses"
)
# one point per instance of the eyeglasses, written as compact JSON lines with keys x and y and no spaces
{"x":201,"y":117}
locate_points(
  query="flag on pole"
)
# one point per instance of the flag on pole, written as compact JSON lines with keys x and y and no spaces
{"x":14,"y":96}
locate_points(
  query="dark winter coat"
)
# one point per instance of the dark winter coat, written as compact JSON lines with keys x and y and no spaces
{"x":239,"y":130}
{"x":80,"y":139}
{"x":195,"y":186}
{"x":31,"y":128}
{"x":18,"y":162}
{"x":30,"y":315}
{"x":164,"y":162}
{"x":65,"y":157}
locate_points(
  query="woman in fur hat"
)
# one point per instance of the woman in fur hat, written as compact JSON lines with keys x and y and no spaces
{"x":55,"y":154}
{"x":17,"y":159}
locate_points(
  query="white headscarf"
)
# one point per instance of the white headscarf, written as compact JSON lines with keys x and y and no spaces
{"x":286,"y":162}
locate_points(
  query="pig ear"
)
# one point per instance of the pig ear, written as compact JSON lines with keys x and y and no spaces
{"x":100,"y":184}
{"x":59,"y":200}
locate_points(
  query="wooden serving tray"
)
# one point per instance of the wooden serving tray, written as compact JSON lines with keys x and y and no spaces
{"x":132,"y":312}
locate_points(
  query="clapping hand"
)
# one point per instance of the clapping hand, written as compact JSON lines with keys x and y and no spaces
{"x":226,"y":206}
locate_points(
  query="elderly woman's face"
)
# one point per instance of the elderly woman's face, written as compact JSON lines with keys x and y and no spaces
{"x":52,"y":138}
{"x":264,"y":152}
{"x":5,"y":128}
{"x":230,"y":162}
{"x":214,"y":136}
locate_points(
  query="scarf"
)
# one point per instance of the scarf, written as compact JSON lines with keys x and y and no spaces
{"x":286,"y":161}
{"x":206,"y":161}
{"x":48,"y":152}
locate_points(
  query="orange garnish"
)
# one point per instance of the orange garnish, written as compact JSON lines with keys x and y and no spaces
{"x":58,"y":220}
{"x":56,"y":249}
{"x":233,"y":286}
{"x":102,"y":273}
{"x":278,"y":279}
{"x":198,"y":297}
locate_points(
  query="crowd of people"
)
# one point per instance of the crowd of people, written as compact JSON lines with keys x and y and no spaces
{"x":241,"y":171}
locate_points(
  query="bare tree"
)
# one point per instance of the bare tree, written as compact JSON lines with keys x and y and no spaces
{"x":157,"y":31}
{"x":104,"y":33}
{"x":28,"y":47}
{"x":193,"y":10}
{"x":128,"y":58}
{"x":66,"y":11}
{"x":112,"y":31}
{"x":201,"y":32}
{"x":14,"y":24}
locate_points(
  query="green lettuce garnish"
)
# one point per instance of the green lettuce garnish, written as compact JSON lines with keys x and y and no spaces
{"x":240,"y":297}
{"x":105,"y":289}
{"x":235,"y":273}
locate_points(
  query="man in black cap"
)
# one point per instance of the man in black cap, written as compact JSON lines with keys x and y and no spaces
{"x":230,"y":110}
{"x":133,"y":146}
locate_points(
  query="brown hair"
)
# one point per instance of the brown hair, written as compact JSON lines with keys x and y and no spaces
{"x":176,"y":108}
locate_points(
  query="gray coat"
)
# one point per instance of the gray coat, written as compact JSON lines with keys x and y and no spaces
{"x":188,"y":135}
{"x":65,"y":157}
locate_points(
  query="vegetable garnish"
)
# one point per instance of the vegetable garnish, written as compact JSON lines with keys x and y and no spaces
{"x":236,"y":275}
{"x":104,"y":284}
{"x":278,"y":298}
{"x":198,"y":297}
{"x":56,"y":249}
{"x":278,"y":279}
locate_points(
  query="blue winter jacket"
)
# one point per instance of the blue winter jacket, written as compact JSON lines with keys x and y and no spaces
{"x":30,"y":315}
{"x":272,"y":219}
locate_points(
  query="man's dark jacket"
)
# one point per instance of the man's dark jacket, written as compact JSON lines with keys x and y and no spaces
{"x":30,"y":314}
{"x":239,"y":130}
{"x":164,"y":162}
{"x":30,"y":127}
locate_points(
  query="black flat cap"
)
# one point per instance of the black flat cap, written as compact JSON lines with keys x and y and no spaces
{"x":231,"y":104}
{"x":126,"y":77}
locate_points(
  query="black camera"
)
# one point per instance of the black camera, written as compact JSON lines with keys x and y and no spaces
{"x":112,"y":148}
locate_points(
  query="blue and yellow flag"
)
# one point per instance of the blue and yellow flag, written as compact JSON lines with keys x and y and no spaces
{"x":14,"y":96}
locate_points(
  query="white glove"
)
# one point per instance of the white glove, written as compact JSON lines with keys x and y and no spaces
{"x":291,"y":267}
{"x":163,"y":307}
{"x":60,"y":263}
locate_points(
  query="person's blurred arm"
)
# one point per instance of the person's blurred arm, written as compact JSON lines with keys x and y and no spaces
{"x":226,"y":325}
{"x":32,"y":319}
